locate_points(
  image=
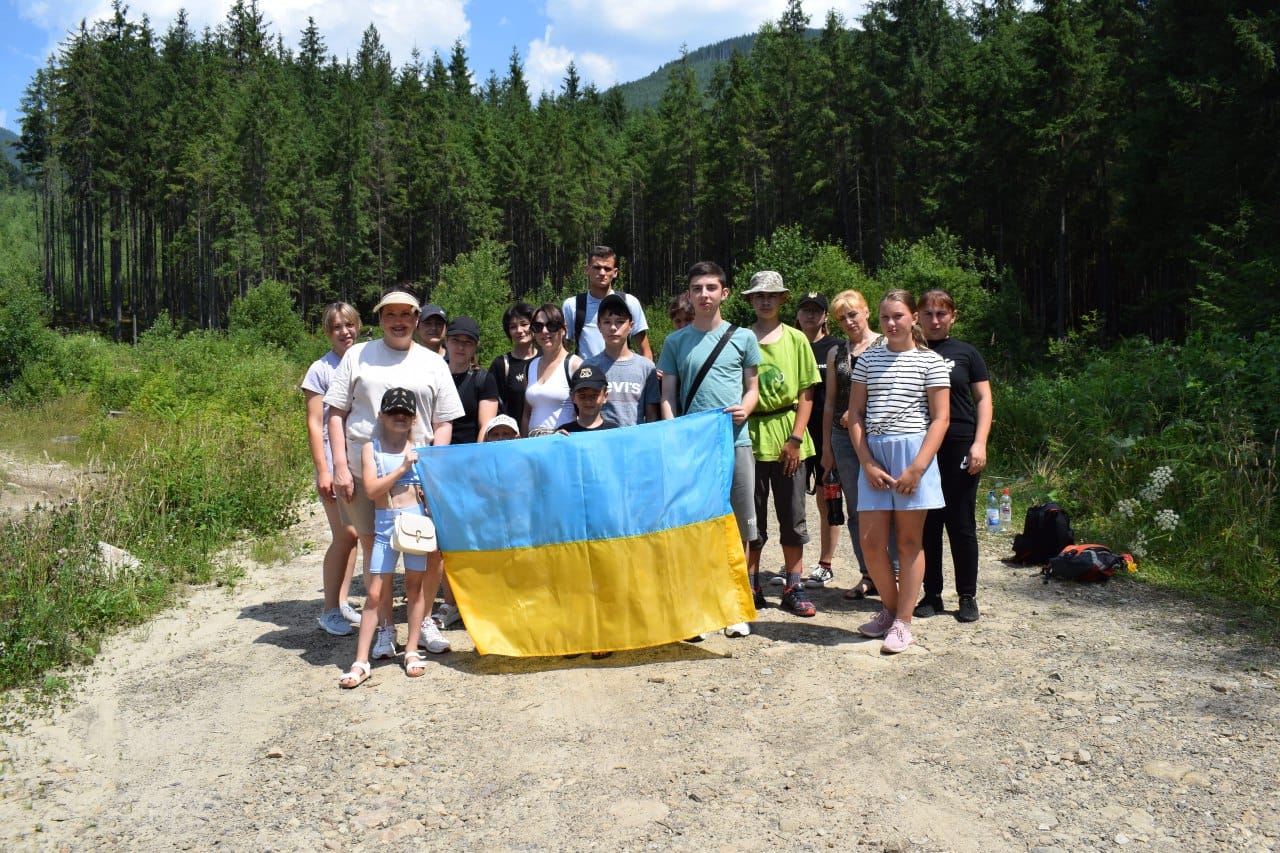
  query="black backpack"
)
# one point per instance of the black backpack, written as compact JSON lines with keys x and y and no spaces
{"x":1045,"y":532}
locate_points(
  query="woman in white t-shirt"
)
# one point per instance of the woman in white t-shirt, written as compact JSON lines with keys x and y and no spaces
{"x":899,"y":410}
{"x":547,"y":400}
{"x":341,"y":324}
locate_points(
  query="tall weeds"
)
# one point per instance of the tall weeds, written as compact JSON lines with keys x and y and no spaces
{"x":192,"y":442}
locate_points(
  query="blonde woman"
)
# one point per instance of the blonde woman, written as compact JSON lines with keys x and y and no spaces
{"x":341,"y":324}
{"x":849,"y":308}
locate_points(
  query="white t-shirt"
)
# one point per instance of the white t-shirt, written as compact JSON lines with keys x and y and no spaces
{"x":549,"y":403}
{"x":317,"y":380}
{"x":897,"y":403}
{"x":369,"y":370}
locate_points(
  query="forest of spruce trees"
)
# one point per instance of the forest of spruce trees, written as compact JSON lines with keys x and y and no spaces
{"x":1109,"y":155}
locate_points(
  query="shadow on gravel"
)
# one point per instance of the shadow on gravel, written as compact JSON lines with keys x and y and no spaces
{"x":806,"y":631}
{"x":1072,"y":608}
{"x":471,"y":663}
{"x":298,"y":632}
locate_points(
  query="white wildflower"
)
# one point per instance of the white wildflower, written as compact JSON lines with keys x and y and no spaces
{"x":1167,"y":519}
{"x":1159,"y":480}
{"x":1128,"y":507}
{"x":1139,"y":546}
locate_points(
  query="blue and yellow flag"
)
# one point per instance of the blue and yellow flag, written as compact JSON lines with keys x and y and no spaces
{"x":599,"y":541}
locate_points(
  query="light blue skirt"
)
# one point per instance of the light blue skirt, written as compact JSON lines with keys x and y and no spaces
{"x":895,"y":453}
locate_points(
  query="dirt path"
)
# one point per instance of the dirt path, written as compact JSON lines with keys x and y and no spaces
{"x":1068,"y":718}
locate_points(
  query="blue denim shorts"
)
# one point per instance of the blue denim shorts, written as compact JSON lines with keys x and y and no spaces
{"x":895,"y":453}
{"x":383,"y":559}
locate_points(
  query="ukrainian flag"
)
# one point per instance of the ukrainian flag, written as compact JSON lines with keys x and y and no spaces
{"x":598,"y":541}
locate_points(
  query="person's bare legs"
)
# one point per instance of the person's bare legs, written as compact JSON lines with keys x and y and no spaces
{"x":431,"y":582}
{"x":377,"y":587}
{"x":909,"y":526}
{"x":385,"y":602}
{"x":873,"y":528}
{"x":339,"y":558}
{"x":792,"y":559}
{"x":416,"y":604}
{"x":828,"y":536}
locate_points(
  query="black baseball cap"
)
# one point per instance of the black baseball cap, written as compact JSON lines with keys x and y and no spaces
{"x":464,"y":326}
{"x":588,"y":376}
{"x":813,"y":298}
{"x":615,"y":303}
{"x":399,"y":400}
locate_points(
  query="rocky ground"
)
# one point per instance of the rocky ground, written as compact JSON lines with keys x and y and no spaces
{"x":1069,"y":718}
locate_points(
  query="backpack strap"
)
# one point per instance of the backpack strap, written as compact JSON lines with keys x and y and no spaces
{"x":579,"y":320}
{"x":706,"y":367}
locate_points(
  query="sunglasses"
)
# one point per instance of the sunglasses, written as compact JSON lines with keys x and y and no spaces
{"x":550,"y":327}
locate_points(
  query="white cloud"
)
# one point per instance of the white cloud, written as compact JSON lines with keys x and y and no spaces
{"x":545,"y":66}
{"x":430,"y":25}
{"x":547,"y":63}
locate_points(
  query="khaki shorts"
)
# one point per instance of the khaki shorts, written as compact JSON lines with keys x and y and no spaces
{"x":358,"y":513}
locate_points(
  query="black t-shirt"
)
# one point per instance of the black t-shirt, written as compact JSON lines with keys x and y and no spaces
{"x":821,"y":347}
{"x":512,"y":376}
{"x":473,"y":386}
{"x":967,"y":367}
{"x":574,"y":426}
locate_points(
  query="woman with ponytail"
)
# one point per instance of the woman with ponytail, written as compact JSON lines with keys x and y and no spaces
{"x":899,"y":410}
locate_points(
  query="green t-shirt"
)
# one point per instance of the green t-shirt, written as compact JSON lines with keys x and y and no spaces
{"x":786,"y":368}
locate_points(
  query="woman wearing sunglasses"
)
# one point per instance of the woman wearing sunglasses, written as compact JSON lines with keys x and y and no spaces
{"x":547,"y":400}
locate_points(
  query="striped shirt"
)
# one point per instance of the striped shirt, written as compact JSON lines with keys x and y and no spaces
{"x":897,"y":403}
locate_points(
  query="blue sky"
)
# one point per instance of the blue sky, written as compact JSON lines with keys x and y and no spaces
{"x":611,"y":41}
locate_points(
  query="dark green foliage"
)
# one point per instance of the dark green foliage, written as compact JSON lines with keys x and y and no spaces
{"x":1091,"y":149}
{"x":266,"y":316}
{"x":1093,"y":435}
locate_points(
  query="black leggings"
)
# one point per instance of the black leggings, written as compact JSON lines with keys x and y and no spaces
{"x":960,"y":490}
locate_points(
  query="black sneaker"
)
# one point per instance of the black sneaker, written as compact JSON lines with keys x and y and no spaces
{"x":795,"y":601}
{"x":968,"y":609}
{"x":757,"y":595}
{"x":929,"y":606}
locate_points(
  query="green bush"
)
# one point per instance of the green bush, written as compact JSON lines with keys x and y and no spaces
{"x":475,"y":284}
{"x":265,"y":316}
{"x":804,"y":264}
{"x":1165,"y":451}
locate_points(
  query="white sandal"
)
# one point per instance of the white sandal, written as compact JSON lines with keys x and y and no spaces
{"x":357,"y":675}
{"x":415,"y":665}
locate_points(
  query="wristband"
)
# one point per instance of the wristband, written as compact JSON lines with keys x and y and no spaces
{"x":797,"y":439}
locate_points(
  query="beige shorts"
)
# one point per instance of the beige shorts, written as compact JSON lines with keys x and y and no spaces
{"x":358,"y":513}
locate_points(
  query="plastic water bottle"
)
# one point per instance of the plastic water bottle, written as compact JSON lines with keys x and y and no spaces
{"x":834,"y":497}
{"x":1006,"y":512}
{"x":993,"y":513}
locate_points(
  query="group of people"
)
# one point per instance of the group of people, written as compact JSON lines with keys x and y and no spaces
{"x":900,"y":416}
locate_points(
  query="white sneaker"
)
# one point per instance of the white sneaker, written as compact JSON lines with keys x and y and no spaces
{"x":333,"y":623}
{"x":349,"y":613}
{"x":431,"y":639}
{"x":447,"y":616}
{"x":384,"y":642}
{"x":778,"y":580}
{"x":738,"y":629}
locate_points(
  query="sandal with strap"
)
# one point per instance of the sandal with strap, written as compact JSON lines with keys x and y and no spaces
{"x":861,"y":590}
{"x":415,"y":665}
{"x":357,"y":675}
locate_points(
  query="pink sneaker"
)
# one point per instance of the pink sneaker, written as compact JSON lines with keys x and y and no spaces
{"x":879,"y":623}
{"x":897,"y":639}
